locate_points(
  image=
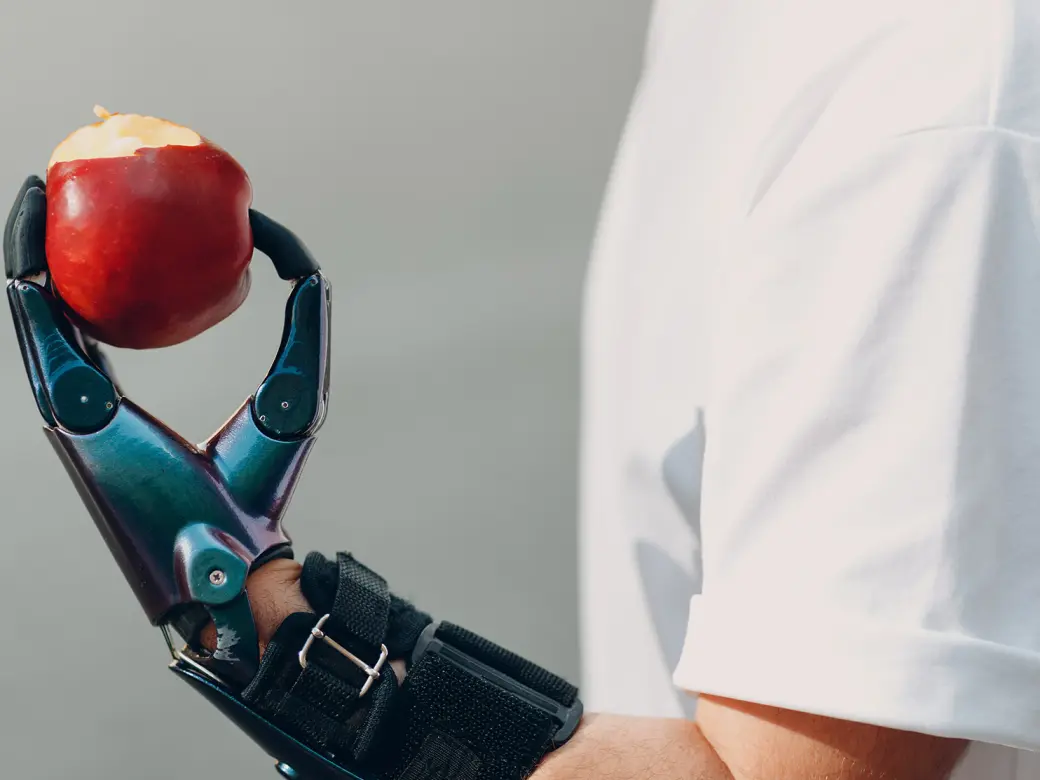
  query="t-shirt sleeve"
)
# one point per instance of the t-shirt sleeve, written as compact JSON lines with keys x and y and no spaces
{"x":871,"y":487}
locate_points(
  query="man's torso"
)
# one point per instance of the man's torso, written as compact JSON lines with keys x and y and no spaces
{"x":704,"y":138}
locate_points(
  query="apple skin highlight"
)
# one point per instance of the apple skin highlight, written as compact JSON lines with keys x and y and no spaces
{"x":150,"y":249}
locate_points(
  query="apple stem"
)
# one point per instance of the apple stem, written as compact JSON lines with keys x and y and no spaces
{"x":101,"y":113}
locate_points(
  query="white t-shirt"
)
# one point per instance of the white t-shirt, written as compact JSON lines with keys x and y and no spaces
{"x":811,"y":472}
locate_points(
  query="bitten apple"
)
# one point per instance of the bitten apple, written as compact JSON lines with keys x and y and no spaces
{"x":148,"y":237}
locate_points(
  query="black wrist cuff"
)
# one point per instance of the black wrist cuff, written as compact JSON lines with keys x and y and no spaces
{"x":467,"y":710}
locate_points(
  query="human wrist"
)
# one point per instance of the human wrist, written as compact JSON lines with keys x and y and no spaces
{"x":323,"y":678}
{"x":275,"y":592}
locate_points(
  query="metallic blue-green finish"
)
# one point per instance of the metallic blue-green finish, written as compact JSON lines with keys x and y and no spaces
{"x":237,"y":651}
{"x":23,"y":330}
{"x":70,"y":391}
{"x":258,"y":471}
{"x":142,"y":483}
{"x":201,"y":556}
{"x":291,"y":399}
{"x":145,"y":485}
{"x":185,"y":523}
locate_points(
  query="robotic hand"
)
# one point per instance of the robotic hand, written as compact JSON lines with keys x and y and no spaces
{"x":187,"y":525}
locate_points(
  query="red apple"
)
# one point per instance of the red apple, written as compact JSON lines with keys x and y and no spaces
{"x":148,"y":237}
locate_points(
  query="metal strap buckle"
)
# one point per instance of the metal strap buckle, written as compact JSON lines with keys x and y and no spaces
{"x":373,"y":672}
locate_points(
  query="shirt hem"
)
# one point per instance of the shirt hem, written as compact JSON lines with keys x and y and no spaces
{"x":815,"y":660}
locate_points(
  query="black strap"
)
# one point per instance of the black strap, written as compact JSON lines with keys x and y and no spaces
{"x":24,"y":232}
{"x":290,"y":257}
{"x":468,"y":709}
{"x":361,"y":605}
{"x":321,"y":704}
{"x":320,"y":582}
{"x":510,"y":664}
{"x":459,"y":721}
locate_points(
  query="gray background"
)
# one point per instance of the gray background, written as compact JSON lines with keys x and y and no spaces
{"x":445,"y":162}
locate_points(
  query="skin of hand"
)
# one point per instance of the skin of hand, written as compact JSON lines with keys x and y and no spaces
{"x":729,"y":740}
{"x":274,"y":594}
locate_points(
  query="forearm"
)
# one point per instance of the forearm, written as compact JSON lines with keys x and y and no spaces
{"x":759,"y":743}
{"x":608,"y":747}
{"x":605,"y":747}
{"x":729,"y":741}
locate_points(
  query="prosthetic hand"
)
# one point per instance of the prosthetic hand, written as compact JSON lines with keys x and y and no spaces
{"x":188,"y":524}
